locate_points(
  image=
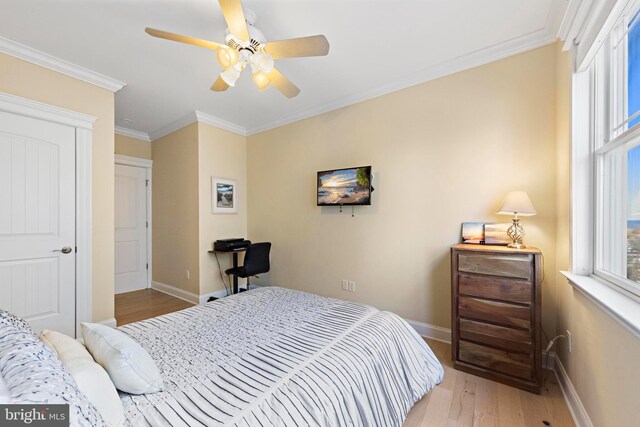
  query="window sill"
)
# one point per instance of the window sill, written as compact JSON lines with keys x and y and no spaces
{"x":619,"y":306}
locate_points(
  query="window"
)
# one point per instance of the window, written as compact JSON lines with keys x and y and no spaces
{"x":616,"y":144}
{"x":634,"y":71}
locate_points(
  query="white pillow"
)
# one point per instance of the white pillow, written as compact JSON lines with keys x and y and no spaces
{"x":64,"y":347}
{"x":95,"y":383}
{"x":92,"y":380}
{"x":130,"y":367}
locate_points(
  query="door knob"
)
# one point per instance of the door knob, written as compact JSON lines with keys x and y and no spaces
{"x":65,"y":250}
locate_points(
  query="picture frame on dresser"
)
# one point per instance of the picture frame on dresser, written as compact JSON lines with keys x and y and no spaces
{"x":496,"y":313}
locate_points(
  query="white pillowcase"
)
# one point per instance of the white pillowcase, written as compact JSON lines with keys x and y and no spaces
{"x":92,"y":380}
{"x":64,"y":347}
{"x":130,"y":367}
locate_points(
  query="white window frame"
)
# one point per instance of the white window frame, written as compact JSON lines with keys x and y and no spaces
{"x":610,"y":144}
{"x":590,"y":140}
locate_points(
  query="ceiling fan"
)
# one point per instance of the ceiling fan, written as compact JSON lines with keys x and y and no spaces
{"x":247,"y":46}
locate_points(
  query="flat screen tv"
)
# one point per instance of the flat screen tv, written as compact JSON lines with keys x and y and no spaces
{"x":345,"y":187}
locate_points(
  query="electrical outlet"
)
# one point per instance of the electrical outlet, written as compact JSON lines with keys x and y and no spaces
{"x":351,"y":285}
{"x":569,"y":341}
{"x":187,"y":274}
{"x":345,"y":285}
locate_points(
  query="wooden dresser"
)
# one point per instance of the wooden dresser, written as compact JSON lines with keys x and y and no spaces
{"x":495,"y":313}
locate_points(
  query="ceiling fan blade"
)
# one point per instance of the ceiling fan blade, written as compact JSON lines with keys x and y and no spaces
{"x":219,"y":85}
{"x":283,"y":84}
{"x":294,"y":48}
{"x":234,"y":15}
{"x":182,"y":39}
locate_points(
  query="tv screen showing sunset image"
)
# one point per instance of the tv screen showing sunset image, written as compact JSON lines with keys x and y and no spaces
{"x":345,"y":187}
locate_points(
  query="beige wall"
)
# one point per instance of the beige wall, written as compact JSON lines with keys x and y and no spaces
{"x":30,"y":81}
{"x":603,"y":365}
{"x":222,"y":154}
{"x":175,"y":209}
{"x":132,"y":147}
{"x":443,"y":152}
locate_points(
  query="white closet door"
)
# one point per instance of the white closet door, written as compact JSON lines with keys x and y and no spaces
{"x":37,"y":222}
{"x":131,"y":229}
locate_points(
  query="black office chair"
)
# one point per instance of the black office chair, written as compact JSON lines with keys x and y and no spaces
{"x":256,"y":261}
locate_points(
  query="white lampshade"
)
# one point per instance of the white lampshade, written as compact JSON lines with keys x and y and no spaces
{"x":261,"y":79}
{"x":230,"y":76}
{"x":517,"y":202}
{"x":262,"y":61}
{"x":227,"y":57}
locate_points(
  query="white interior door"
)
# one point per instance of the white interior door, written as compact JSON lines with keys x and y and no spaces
{"x":131,"y":229}
{"x":37,"y":220}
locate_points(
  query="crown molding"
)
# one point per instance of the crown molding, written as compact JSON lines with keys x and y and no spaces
{"x":174,"y":126}
{"x":219,"y":123}
{"x":132,"y":133}
{"x":539,"y":38}
{"x":471,"y":60}
{"x":556,"y":16}
{"x":572,"y":21}
{"x":197,"y":116}
{"x":542,"y":37}
{"x":45,"y":60}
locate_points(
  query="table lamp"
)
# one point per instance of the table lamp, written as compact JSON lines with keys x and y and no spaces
{"x":516,"y":203}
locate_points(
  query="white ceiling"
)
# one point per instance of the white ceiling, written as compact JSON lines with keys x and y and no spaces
{"x":377,"y":46}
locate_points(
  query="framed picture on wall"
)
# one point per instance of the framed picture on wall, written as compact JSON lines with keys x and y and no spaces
{"x":224,"y":195}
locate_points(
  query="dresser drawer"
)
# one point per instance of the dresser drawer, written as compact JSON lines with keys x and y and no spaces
{"x":518,"y":266}
{"x":512,"y":364}
{"x":496,"y":336}
{"x":495,"y":312}
{"x":495,"y":288}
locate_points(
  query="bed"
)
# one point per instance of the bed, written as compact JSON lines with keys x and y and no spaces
{"x":280,"y":357}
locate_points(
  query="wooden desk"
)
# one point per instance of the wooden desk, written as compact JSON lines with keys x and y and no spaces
{"x":235,"y":264}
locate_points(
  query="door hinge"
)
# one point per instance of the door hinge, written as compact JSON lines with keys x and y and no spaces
{"x":147,"y":266}
{"x":147,"y":224}
{"x":146,"y":182}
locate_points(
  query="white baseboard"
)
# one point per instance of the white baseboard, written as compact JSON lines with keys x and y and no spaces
{"x":217,"y":294}
{"x":426,"y":330}
{"x":223,"y":293}
{"x":176,"y":292}
{"x":578,"y":412}
{"x":186,"y":295}
{"x":109,"y":322}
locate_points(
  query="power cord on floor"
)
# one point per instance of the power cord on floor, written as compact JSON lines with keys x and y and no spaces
{"x":550,"y":344}
{"x":222,"y":277}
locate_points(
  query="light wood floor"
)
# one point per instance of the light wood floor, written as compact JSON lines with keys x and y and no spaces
{"x":467,"y":400}
{"x":460,"y":400}
{"x":139,"y":305}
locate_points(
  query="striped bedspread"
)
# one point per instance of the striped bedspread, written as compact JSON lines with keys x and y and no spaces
{"x":280,"y":357}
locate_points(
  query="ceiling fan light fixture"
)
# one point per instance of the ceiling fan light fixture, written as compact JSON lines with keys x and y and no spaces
{"x":261,"y":79}
{"x":230,"y":76}
{"x":246,"y":45}
{"x":262,"y":61}
{"x":227,"y":57}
